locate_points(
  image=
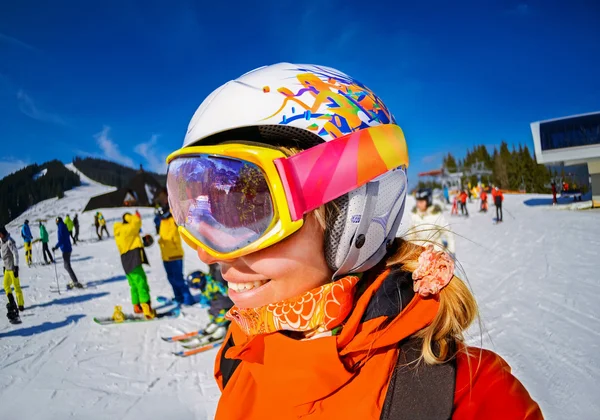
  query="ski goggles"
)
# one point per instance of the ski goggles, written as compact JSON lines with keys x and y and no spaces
{"x":233,"y":199}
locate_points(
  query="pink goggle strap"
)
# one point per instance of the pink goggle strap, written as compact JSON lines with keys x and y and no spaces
{"x":327,"y":171}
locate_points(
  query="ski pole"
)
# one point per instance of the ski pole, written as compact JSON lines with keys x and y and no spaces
{"x":509,"y":213}
{"x":56,"y":272}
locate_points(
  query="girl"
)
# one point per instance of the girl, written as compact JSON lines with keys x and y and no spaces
{"x":293,"y":179}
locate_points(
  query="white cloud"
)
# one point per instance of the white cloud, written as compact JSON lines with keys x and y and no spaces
{"x":437,"y":157}
{"x":155,"y":161}
{"x":8,"y":166}
{"x":28,"y":107}
{"x":110,"y":149}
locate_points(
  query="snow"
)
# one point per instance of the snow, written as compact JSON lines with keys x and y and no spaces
{"x":535,"y":277}
{"x":41,"y":173}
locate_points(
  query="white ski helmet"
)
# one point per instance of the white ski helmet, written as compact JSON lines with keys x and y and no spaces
{"x":303,"y":105}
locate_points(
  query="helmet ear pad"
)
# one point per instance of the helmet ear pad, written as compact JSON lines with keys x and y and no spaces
{"x":364,"y":221}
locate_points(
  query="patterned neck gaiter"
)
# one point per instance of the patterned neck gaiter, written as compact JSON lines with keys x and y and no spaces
{"x":314,"y":312}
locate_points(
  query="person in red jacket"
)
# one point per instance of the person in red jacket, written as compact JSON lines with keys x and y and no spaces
{"x":554,"y":193}
{"x":484,"y":204}
{"x":463,"y":203}
{"x":498,"y":199}
{"x":332,"y":318}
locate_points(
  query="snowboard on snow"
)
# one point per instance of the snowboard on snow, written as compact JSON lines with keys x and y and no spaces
{"x":173,"y":312}
{"x":132,"y":318}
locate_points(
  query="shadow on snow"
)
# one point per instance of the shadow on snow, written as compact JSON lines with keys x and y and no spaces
{"x":68,"y":300}
{"x":43,"y":327}
{"x":105,"y":281}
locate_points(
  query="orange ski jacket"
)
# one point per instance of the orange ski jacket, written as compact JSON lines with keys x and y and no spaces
{"x":346,"y":376}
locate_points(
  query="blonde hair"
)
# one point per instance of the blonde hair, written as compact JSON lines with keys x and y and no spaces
{"x":458,"y":308}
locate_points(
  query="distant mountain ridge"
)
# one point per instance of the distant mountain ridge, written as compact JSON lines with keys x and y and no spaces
{"x":32,"y":184}
{"x":110,"y":173}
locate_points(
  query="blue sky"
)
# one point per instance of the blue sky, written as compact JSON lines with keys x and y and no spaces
{"x":121,"y":79}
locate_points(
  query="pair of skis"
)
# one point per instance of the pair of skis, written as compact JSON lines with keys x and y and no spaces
{"x":194,"y":342}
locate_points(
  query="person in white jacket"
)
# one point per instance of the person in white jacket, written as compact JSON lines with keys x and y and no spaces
{"x":429,"y":226}
{"x":10,"y":259}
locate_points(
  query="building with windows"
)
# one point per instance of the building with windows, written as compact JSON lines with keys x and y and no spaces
{"x":571,"y":141}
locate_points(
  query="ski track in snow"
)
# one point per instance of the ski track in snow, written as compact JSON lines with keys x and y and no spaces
{"x":535,"y":277}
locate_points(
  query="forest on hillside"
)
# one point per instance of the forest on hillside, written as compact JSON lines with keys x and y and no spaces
{"x":514,"y":169}
{"x":110,"y":173}
{"x":26,"y":187}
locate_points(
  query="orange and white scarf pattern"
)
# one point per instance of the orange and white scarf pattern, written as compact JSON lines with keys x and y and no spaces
{"x":314,"y":312}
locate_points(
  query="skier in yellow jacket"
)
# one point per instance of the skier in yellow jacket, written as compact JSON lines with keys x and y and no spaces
{"x":131,"y":248}
{"x":172,"y":251}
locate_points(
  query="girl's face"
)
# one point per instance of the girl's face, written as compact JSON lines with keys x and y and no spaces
{"x":287,"y":269}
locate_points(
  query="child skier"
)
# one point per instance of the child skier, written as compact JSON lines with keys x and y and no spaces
{"x":172,"y":254}
{"x":27,"y":238}
{"x":484,"y":204}
{"x":45,"y":238}
{"x":454,"y":211}
{"x":214,"y":295}
{"x":64,"y":243}
{"x":334,"y":318}
{"x":429,"y":226}
{"x":10,"y":259}
{"x":131,"y":248}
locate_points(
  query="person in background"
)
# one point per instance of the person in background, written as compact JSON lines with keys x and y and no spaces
{"x":97,"y":225}
{"x":131,"y":248}
{"x":76,"y":228}
{"x":172,"y":253}
{"x":102,"y":224}
{"x":27,"y":238}
{"x":45,"y":238}
{"x":10,"y":259}
{"x":69,"y":224}
{"x":64,"y":243}
{"x":554,"y":201}
{"x":454,"y":211}
{"x":462,"y":199}
{"x":446,"y":194}
{"x":498,"y":199}
{"x":484,"y":204}
{"x":428,"y":224}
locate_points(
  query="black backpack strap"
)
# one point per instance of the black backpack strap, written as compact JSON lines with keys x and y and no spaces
{"x":419,"y":390}
{"x":228,"y":366}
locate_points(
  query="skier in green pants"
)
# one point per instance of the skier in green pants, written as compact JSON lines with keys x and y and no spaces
{"x":131,"y":248}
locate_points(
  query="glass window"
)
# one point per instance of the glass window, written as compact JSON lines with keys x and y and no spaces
{"x":570,"y":132}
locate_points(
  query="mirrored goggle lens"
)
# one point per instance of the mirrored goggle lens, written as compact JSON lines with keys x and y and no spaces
{"x":225,"y":203}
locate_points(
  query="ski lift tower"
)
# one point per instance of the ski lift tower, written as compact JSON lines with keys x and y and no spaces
{"x":452,"y":180}
{"x":478,"y":169}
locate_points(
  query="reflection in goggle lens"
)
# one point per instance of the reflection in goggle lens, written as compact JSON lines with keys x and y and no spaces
{"x":224,"y":203}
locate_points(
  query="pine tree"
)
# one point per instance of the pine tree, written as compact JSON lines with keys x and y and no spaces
{"x":450,"y":163}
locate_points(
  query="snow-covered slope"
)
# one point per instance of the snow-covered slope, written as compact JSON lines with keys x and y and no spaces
{"x":535,"y":277}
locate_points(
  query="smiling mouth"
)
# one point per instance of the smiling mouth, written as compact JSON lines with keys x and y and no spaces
{"x":246,"y":286}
